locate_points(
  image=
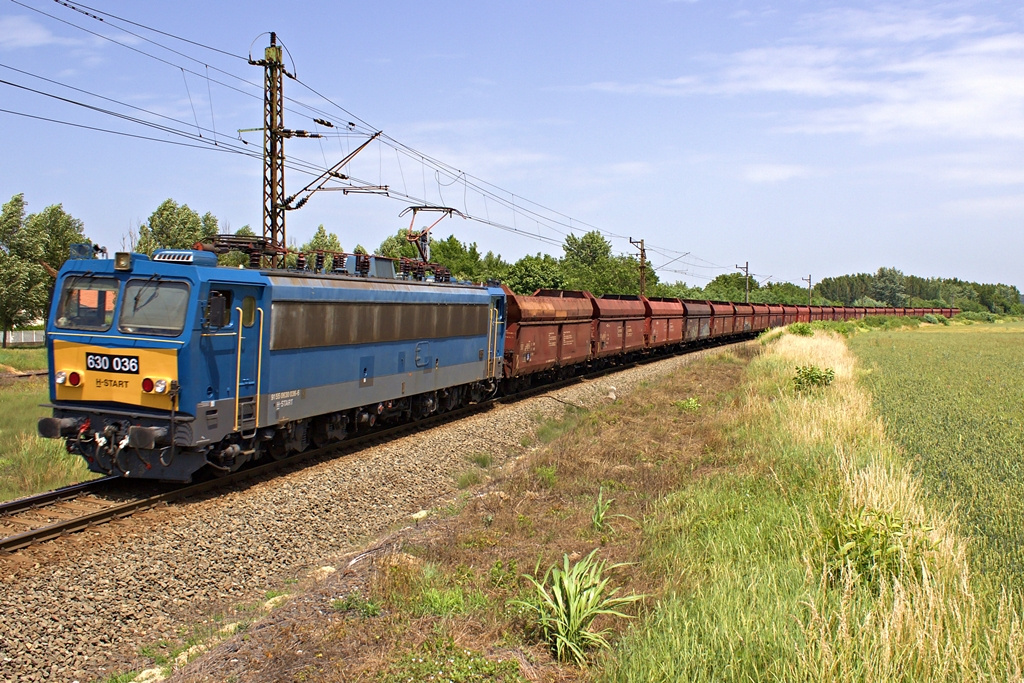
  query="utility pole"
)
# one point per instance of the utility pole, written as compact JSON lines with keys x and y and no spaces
{"x":746,"y":275}
{"x":643,"y":264}
{"x":273,"y":150}
{"x":808,"y":281}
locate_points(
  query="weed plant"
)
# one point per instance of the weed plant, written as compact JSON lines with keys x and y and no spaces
{"x":810,"y":377}
{"x":599,"y":517}
{"x":440,"y":659}
{"x":569,"y":599}
{"x":688,"y":405}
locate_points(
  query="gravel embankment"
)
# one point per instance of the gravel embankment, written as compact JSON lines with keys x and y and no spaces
{"x":80,"y":608}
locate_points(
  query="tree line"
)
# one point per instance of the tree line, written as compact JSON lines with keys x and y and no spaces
{"x":34,"y":246}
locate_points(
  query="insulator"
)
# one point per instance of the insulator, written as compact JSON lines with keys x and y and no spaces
{"x":319,"y":261}
{"x":302,"y":262}
{"x":254,"y":259}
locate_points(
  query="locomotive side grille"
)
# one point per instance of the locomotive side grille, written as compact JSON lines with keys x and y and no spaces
{"x":304,"y":325}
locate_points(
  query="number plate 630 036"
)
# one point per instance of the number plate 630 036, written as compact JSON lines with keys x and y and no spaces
{"x":111,"y":363}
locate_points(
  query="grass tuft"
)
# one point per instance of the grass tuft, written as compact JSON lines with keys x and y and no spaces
{"x":569,"y":599}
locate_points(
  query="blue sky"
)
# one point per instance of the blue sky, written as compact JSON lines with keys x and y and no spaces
{"x":815,"y":138}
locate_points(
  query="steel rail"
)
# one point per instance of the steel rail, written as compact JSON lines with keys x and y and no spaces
{"x":41,"y":500}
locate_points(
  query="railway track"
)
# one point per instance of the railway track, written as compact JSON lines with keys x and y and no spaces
{"x":29,"y":374}
{"x":50,"y":515}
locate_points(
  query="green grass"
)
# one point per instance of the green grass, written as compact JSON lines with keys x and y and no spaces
{"x":953,"y":397}
{"x":808,"y":552}
{"x":29,"y":464}
{"x":24,"y":358}
{"x":441,"y":660}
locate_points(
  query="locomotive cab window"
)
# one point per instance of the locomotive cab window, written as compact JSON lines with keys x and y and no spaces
{"x":87,"y":303}
{"x":154,"y":306}
{"x":248,"y":311}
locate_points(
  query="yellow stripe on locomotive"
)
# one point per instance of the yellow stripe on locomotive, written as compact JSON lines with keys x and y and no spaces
{"x":134,"y":376}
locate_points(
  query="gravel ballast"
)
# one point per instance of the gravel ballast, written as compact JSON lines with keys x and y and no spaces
{"x":81,"y":608}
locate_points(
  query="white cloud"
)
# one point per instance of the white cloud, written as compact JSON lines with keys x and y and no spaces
{"x":17,"y":33}
{"x":876,"y":74}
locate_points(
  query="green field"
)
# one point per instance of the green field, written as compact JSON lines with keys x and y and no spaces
{"x":953,"y":398}
{"x":29,"y":464}
{"x":22,"y":359}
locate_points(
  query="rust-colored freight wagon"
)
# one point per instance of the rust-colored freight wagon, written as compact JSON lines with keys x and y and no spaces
{"x":762,"y":317}
{"x":722,"y":316}
{"x":744,"y":321}
{"x":698,"y":319}
{"x":550,"y":329}
{"x":790,"y":314}
{"x":666,"y":321}
{"x":621,"y":321}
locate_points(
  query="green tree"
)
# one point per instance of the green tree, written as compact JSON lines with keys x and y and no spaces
{"x":59,"y":230}
{"x":234,"y":259}
{"x":175,"y":227}
{"x":888,"y":286}
{"x":589,"y":264}
{"x":676,"y":290}
{"x":730,"y":287}
{"x":531,"y":273}
{"x":24,"y":284}
{"x":323,"y":241}
{"x":397,"y":246}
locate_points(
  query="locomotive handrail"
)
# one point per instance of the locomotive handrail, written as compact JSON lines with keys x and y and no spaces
{"x":259,"y":375}
{"x":238,"y":365}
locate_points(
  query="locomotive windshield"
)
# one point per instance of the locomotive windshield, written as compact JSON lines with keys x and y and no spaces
{"x":154,"y":307}
{"x":87,"y":303}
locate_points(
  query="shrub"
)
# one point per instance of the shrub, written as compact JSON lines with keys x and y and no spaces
{"x":568,"y":600}
{"x":872,"y":546}
{"x":975,"y":316}
{"x":813,"y":377}
{"x":801,"y":329}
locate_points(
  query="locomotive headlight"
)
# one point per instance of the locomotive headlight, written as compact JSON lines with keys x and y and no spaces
{"x":60,"y":377}
{"x":160,"y":386}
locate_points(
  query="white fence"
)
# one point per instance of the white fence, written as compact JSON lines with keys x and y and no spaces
{"x":26,"y":337}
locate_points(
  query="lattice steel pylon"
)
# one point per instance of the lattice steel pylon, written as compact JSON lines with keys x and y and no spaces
{"x":273,"y":152}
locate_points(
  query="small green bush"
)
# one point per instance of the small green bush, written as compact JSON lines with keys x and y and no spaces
{"x":871,"y":546}
{"x":801,"y":329}
{"x":813,"y":377}
{"x":975,"y":316}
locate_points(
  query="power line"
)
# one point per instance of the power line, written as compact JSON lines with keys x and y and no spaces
{"x":542,"y":215}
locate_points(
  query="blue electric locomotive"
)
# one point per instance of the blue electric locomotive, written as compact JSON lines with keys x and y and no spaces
{"x":162,"y":367}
